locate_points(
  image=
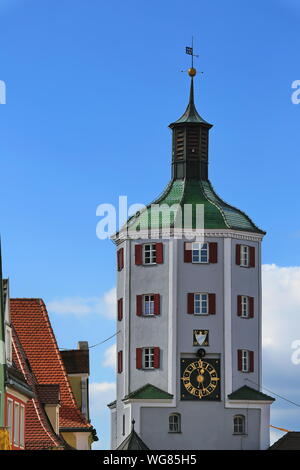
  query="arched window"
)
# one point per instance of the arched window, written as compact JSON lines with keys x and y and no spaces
{"x":239,"y":424}
{"x":174,"y":422}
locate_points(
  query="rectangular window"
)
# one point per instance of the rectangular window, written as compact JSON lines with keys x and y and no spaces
{"x":245,"y":361}
{"x":8,"y":345}
{"x":16,"y":424}
{"x":22,"y":426}
{"x":9,"y":417}
{"x":149,"y":304}
{"x":150,"y":253}
{"x":200,"y":253}
{"x":245,"y":306}
{"x":245,"y":258}
{"x":148,"y":358}
{"x":201,"y":304}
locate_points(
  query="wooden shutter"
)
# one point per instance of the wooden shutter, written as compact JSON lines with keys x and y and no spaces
{"x":120,"y":309}
{"x":251,"y":307}
{"x":190,"y":303}
{"x":139,"y":305}
{"x":156,"y":358}
{"x":213,"y":252}
{"x":187,"y":252}
{"x":159,"y":253}
{"x":156,"y":304}
{"x":239,"y":305}
{"x":239,"y":359}
{"x":238,"y":255}
{"x":212,"y":304}
{"x":120,"y":259}
{"x":252,"y":256}
{"x":139,"y":358}
{"x":251,"y":361}
{"x":120,"y":362}
{"x":138,"y":254}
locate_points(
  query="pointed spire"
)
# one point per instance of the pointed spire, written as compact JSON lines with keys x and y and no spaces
{"x":191,"y":114}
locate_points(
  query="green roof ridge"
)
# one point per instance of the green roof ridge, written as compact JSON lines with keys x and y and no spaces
{"x":248,"y":393}
{"x":148,"y":391}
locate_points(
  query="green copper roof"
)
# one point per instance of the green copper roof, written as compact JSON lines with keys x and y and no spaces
{"x":217,"y":213}
{"x":149,"y":391}
{"x":191,"y":114}
{"x":248,"y":393}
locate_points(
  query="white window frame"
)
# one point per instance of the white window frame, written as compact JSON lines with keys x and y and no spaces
{"x":175,"y":423}
{"x":203,"y":252}
{"x":16,"y":424}
{"x":148,"y":358}
{"x":22,"y":426}
{"x":239,"y":424}
{"x":245,"y":256}
{"x":152,"y":253}
{"x":201,"y":301}
{"x":245,"y":306}
{"x":10,"y":414}
{"x":245,"y":360}
{"x":148,"y":305}
{"x":8,"y":345}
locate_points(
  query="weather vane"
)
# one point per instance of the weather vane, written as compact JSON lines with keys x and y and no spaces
{"x":190,"y":51}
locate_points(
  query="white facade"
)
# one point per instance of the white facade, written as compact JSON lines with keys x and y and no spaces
{"x":204,"y":424}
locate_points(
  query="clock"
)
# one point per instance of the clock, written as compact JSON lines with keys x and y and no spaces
{"x":200,"y":379}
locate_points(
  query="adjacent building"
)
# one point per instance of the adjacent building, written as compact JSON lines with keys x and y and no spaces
{"x":189,"y":362}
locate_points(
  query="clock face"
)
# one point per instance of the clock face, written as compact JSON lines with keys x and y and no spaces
{"x":200,"y":379}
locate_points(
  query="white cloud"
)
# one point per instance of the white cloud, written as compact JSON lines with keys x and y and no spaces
{"x":281,"y":307}
{"x":104,"y":305}
{"x":110,"y":357}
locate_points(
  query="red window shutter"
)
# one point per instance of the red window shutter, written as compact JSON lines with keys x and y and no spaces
{"x":139,"y":305}
{"x":120,"y":362}
{"x":238,"y":255}
{"x":251,"y":361}
{"x":239,"y":359}
{"x":239,"y":305}
{"x":138,"y":254}
{"x":251,"y":307}
{"x":120,"y":309}
{"x":190,"y":303}
{"x":212,"y":304}
{"x":120,"y":259}
{"x":252,"y":256}
{"x":213,"y":252}
{"x":187,"y":252}
{"x":156,"y":357}
{"x":156,"y":304}
{"x":139,"y":358}
{"x":159,"y":253}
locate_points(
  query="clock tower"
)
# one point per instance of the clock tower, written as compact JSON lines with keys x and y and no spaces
{"x":189,"y":313}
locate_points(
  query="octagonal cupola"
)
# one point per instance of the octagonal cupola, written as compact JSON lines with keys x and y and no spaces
{"x":190,"y":142}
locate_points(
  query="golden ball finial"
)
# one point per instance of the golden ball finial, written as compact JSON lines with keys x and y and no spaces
{"x":192,"y":72}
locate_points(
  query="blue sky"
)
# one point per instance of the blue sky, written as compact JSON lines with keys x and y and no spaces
{"x":91,"y":89}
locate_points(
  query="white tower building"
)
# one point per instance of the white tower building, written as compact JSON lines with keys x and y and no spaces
{"x":189,"y":314}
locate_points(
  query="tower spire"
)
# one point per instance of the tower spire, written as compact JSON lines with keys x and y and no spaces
{"x":190,"y":138}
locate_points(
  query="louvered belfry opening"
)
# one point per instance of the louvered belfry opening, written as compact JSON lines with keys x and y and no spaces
{"x":190,"y":151}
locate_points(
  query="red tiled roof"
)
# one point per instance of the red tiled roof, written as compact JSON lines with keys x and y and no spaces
{"x":48,"y":394}
{"x":31,"y":321}
{"x":39,"y":433}
{"x":76,"y":361}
